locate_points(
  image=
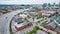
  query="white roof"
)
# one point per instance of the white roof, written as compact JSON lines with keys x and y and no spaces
{"x":22,"y":24}
{"x":23,"y":15}
{"x":46,"y":14}
{"x":40,"y":32}
{"x":52,"y":24}
{"x":19,"y":25}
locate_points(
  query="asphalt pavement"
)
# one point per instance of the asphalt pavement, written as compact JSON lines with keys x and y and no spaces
{"x":5,"y":20}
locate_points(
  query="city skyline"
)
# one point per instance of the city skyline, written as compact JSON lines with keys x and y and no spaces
{"x":28,"y":1}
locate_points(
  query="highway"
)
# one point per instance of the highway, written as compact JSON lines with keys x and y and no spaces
{"x":5,"y":20}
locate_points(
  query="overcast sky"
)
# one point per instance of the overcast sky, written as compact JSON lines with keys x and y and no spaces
{"x":28,"y":1}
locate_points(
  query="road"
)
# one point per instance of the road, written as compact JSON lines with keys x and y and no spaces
{"x":5,"y":20}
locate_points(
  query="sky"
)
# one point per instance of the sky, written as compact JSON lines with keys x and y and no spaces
{"x":28,"y":1}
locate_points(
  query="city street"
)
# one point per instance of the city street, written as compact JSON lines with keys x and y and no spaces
{"x":5,"y":20}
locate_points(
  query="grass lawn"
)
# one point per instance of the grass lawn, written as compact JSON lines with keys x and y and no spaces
{"x":44,"y":23}
{"x":10,"y":28}
{"x":34,"y":30}
{"x":39,"y":16}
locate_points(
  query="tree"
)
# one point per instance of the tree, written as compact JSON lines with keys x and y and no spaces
{"x":36,"y":9}
{"x":33,"y":18}
{"x":56,"y":14}
{"x":38,"y":21}
{"x":28,"y":16}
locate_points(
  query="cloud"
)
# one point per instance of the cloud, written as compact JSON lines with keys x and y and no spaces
{"x":27,"y":1}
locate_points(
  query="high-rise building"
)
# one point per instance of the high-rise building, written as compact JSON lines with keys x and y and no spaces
{"x":49,"y":4}
{"x":59,"y":3}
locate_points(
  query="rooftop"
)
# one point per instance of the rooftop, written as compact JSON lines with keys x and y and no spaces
{"x":56,"y":18}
